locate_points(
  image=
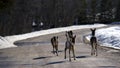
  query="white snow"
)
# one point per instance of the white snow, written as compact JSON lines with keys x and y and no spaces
{"x":109,"y":37}
{"x":4,"y":43}
{"x":11,"y":39}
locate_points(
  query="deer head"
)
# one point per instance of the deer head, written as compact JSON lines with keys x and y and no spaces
{"x":93,"y":31}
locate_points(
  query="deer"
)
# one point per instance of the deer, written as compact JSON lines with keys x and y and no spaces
{"x":70,"y":42}
{"x":93,"y":42}
{"x":54,"y":42}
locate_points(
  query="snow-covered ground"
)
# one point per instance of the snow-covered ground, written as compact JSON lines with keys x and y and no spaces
{"x":8,"y":41}
{"x":4,"y":43}
{"x":109,"y":37}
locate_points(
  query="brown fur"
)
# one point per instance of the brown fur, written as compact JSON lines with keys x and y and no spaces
{"x":54,"y":42}
{"x":70,"y":44}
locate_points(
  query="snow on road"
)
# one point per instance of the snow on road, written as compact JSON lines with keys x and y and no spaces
{"x":12,"y":39}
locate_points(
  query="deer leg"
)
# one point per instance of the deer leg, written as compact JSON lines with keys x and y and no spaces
{"x":92,"y":53}
{"x":69,"y":55}
{"x":65,"y":53}
{"x":73,"y":53}
{"x":53,"y":50}
{"x":96,"y":50}
{"x":57,"y":51}
{"x":92,"y":49}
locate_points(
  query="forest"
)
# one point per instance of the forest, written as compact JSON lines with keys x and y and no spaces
{"x":18,"y":16}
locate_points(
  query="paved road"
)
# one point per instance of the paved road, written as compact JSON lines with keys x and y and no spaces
{"x":37,"y":53}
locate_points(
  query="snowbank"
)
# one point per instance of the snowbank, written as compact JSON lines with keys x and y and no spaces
{"x":12,"y":39}
{"x":109,"y":37}
{"x":4,"y":43}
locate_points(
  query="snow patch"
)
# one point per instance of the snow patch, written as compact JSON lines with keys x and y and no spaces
{"x":4,"y":43}
{"x":109,"y":37}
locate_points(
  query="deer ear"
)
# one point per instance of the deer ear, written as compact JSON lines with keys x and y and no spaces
{"x":94,"y":28}
{"x":91,"y":29}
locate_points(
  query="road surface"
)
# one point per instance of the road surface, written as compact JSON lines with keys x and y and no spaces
{"x":37,"y":53}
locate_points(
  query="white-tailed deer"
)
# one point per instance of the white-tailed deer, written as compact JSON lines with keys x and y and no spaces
{"x":70,"y":42}
{"x":93,"y":42}
{"x":54,"y":42}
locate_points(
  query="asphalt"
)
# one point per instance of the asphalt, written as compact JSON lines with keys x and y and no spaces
{"x":37,"y":53}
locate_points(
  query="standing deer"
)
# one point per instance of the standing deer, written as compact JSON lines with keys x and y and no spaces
{"x":70,"y":42}
{"x":93,"y":41}
{"x":54,"y":42}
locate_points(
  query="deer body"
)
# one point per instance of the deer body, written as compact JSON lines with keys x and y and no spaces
{"x":54,"y":42}
{"x":70,"y":42}
{"x":93,"y":42}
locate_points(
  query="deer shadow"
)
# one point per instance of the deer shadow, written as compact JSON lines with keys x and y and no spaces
{"x":107,"y":67}
{"x":58,"y":51}
{"x":20,"y":43}
{"x":41,"y":58}
{"x":82,"y":56}
{"x":57,"y":62}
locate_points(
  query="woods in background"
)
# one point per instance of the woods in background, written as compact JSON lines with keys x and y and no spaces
{"x":17,"y":16}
